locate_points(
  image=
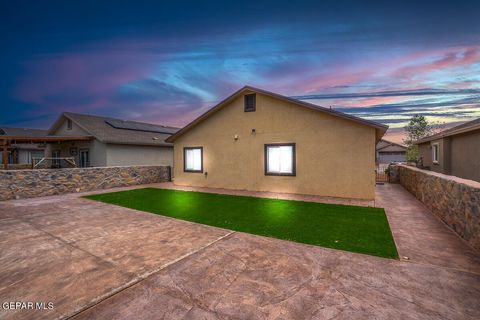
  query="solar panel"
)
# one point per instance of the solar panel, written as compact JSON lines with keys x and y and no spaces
{"x":136,"y":126}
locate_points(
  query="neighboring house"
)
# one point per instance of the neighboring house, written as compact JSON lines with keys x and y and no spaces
{"x":113,"y":142}
{"x":455,"y":151}
{"x":388,"y":152}
{"x":22,"y":152}
{"x":262,"y":141}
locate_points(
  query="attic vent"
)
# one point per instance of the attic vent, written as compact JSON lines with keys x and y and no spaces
{"x":250,"y":102}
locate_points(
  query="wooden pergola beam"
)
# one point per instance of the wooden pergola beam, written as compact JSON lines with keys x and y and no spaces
{"x":5,"y":154}
{"x":45,"y":139}
{"x":14,"y":139}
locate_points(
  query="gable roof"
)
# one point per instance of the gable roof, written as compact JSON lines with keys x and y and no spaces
{"x":389,"y":144}
{"x":22,"y":132}
{"x":116,"y":131}
{"x":380,"y":129}
{"x":463,"y":128}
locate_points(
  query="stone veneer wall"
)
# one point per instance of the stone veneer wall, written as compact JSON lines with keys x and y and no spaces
{"x":15,"y":184}
{"x":454,"y":200}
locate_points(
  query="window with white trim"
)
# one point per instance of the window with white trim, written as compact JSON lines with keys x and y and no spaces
{"x":280,"y":159}
{"x":193,"y":159}
{"x":435,"y":152}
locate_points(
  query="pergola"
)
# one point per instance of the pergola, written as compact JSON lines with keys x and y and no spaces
{"x":9,"y":140}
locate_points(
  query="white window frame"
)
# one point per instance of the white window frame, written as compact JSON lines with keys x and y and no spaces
{"x":436,"y":156}
{"x":186,"y":151}
{"x":280,"y":172}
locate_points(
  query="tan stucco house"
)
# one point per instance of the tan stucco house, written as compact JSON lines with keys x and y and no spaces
{"x":262,"y":141}
{"x":455,"y":151}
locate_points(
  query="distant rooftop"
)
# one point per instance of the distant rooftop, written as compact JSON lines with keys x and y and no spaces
{"x":463,"y":128}
{"x":22,"y":132}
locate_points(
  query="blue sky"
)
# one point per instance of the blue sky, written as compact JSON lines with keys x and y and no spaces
{"x":167,"y":62}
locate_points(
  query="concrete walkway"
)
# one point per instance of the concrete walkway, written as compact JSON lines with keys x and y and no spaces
{"x":420,"y":235}
{"x":98,"y":261}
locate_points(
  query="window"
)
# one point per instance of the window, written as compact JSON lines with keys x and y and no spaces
{"x":69,"y":124}
{"x":193,"y":159}
{"x":84,"y":158}
{"x":435,"y":152}
{"x":280,"y":159}
{"x":250,"y":102}
{"x":56,"y":161}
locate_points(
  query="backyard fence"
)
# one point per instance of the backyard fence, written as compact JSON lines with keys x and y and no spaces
{"x":380,"y":175}
{"x":30,"y":183}
{"x":454,"y":200}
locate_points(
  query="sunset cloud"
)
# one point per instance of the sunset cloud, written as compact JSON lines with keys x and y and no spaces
{"x":170,"y":64}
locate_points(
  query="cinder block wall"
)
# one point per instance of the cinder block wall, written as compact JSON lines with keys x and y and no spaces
{"x":15,"y":184}
{"x":454,"y":200}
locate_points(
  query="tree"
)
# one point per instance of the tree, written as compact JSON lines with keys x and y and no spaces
{"x":417,"y":128}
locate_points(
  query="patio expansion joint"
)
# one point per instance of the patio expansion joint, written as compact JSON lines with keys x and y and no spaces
{"x":430,"y":265}
{"x":142,"y":277}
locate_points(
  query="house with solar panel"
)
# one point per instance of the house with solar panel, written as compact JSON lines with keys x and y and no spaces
{"x":94,"y":141}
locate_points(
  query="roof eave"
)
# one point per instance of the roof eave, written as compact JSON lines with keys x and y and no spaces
{"x":447,"y":134}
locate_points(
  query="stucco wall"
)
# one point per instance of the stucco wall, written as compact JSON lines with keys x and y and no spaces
{"x":425,"y":151}
{"x":75,"y":131}
{"x":465,"y":155}
{"x":334,"y":157}
{"x":47,"y":182}
{"x":459,"y":155}
{"x":454,"y":200}
{"x":97,"y":151}
{"x":121,"y":155}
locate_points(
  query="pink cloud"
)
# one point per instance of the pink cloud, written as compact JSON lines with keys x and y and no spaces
{"x":78,"y":81}
{"x":388,"y":73}
{"x":366,"y":102}
{"x":452,"y":59}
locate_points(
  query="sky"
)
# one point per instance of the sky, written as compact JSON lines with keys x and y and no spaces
{"x":168,"y":62}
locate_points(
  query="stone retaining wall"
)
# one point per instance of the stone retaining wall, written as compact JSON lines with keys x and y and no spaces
{"x":15,"y":184}
{"x":454,"y":200}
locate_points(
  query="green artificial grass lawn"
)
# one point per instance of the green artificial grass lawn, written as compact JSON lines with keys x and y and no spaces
{"x":351,"y":228}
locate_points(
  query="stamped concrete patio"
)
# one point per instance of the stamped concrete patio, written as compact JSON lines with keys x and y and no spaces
{"x":94,"y":260}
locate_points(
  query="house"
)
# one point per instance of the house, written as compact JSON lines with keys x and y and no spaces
{"x":21,"y":153}
{"x":112,"y":142}
{"x":262,"y":141}
{"x":388,"y":152}
{"x":455,"y":151}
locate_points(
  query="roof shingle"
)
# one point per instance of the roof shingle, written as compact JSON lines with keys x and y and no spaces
{"x":111,"y":130}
